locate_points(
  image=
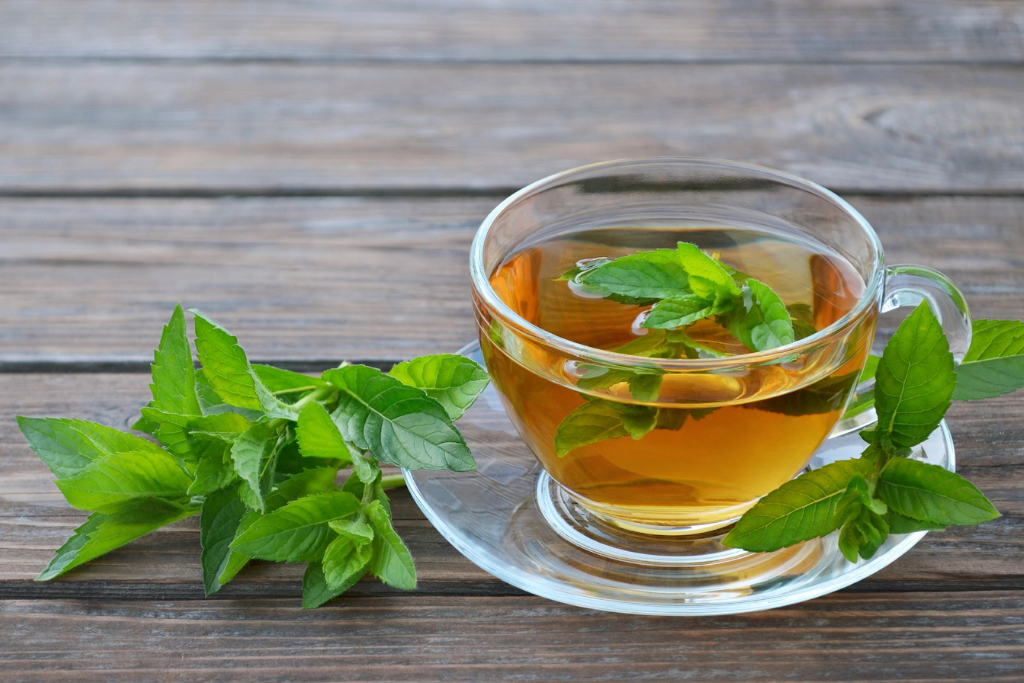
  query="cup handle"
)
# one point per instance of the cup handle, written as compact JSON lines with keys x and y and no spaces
{"x":907,"y":285}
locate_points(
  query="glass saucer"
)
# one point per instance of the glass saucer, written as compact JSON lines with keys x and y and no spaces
{"x":508,"y":518}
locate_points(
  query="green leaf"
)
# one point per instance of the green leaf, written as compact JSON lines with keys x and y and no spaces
{"x":280,"y":381}
{"x":113,"y":480}
{"x":297,"y":532}
{"x":391,"y":562}
{"x":223,"y":426}
{"x":932,"y":494}
{"x":356,"y":529}
{"x":994,"y":364}
{"x":305,"y":483}
{"x":713,"y":278}
{"x":860,"y":489}
{"x":766,"y":324}
{"x":315,"y":590}
{"x":365,"y":469}
{"x":914,"y":380}
{"x":227,"y":369}
{"x":174,"y":381}
{"x":901,"y":524}
{"x":344,"y":560}
{"x":645,"y":385}
{"x":863,"y":535}
{"x":214,"y":469}
{"x":67,"y":447}
{"x":453,"y":381}
{"x":805,"y":508}
{"x":251,"y":454}
{"x":319,"y":436}
{"x":678,"y":312}
{"x":106,"y":532}
{"x":218,"y":523}
{"x":592,"y":422}
{"x":654,"y":275}
{"x":398,"y":424}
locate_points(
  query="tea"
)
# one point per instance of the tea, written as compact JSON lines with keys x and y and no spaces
{"x":667,"y":451}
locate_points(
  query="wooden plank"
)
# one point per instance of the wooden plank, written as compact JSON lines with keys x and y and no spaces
{"x":531,"y":30}
{"x":865,"y":637}
{"x":266,"y":128}
{"x":34,"y":520}
{"x":323,"y":280}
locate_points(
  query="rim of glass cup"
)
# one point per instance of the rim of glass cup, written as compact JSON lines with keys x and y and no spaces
{"x":482,"y":285}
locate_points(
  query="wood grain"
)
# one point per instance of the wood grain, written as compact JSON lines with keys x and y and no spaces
{"x":317,"y":280}
{"x":525,"y":30}
{"x":842,"y":637}
{"x":35,"y":520}
{"x":259,"y":128}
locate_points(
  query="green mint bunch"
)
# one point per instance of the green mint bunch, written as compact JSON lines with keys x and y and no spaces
{"x":887,"y":490}
{"x":255,"y":451}
{"x":685,"y":285}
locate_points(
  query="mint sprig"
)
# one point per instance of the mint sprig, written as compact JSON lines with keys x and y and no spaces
{"x":686,"y":285}
{"x":256,"y":450}
{"x":887,"y":490}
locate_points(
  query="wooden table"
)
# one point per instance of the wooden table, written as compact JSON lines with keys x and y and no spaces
{"x":311,"y":173}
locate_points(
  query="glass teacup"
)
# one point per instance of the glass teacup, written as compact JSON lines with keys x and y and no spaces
{"x":662,"y":443}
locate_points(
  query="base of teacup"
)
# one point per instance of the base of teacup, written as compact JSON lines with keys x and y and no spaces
{"x":584,"y":526}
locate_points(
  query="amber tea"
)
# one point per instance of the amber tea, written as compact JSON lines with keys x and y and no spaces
{"x":646,"y":445}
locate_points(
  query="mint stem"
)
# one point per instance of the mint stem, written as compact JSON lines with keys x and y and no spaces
{"x":392,"y":481}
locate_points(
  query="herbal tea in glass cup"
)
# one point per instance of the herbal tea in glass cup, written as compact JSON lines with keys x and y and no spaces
{"x":674,"y":339}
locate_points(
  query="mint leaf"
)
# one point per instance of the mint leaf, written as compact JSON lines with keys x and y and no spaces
{"x":914,"y":380}
{"x":223,"y":426}
{"x":218,"y":522}
{"x":344,"y":560}
{"x":453,"y":381}
{"x":67,"y":447}
{"x":870,"y":368}
{"x":357,"y":488}
{"x":863,"y":535}
{"x":398,"y":424}
{"x":391,"y":562}
{"x":708,"y":277}
{"x":305,"y":483}
{"x":315,"y":590}
{"x":649,"y":275}
{"x":297,"y":532}
{"x":678,"y":312}
{"x":994,"y":364}
{"x":174,"y":381}
{"x":106,"y":532}
{"x":252,"y":454}
{"x":932,"y":494}
{"x":365,"y":469}
{"x":280,"y":381}
{"x":766,"y":324}
{"x":214,"y":469}
{"x":805,"y":508}
{"x":113,"y":480}
{"x":227,"y":369}
{"x":900,"y":524}
{"x":645,"y":385}
{"x":319,"y":436}
{"x":592,"y":422}
{"x":356,"y":529}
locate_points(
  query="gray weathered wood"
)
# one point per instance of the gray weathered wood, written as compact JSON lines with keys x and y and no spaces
{"x":329,"y":279}
{"x":392,"y":128}
{"x":843,"y":637}
{"x":525,"y":30}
